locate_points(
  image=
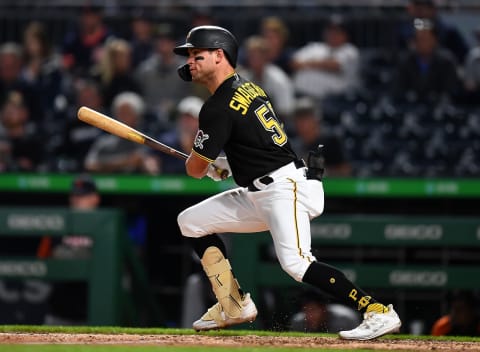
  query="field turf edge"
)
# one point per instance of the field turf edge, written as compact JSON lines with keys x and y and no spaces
{"x":176,"y":331}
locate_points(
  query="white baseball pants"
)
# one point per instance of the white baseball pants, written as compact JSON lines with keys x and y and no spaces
{"x":284,"y":207}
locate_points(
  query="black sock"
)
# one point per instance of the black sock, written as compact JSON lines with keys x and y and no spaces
{"x":200,"y":244}
{"x":333,"y":281}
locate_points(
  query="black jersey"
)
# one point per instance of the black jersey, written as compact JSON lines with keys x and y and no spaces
{"x":239,"y":119}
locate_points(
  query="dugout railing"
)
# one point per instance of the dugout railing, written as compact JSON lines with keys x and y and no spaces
{"x":105,"y":269}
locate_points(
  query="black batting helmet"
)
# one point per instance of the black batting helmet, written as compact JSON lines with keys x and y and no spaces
{"x":210,"y":37}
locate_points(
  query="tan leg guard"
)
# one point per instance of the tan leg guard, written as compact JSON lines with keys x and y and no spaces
{"x":224,"y":285}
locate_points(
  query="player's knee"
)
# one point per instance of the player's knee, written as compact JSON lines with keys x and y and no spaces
{"x":187,"y":226}
{"x":296,"y":267}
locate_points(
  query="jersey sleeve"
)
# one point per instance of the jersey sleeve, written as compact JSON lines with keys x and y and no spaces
{"x":214,"y":128}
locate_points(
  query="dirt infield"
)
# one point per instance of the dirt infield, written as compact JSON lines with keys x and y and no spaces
{"x":235,"y":341}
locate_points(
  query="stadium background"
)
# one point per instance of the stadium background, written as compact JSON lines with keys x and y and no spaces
{"x":372,"y":25}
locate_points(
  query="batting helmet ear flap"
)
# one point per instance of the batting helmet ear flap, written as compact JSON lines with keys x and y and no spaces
{"x":184,"y":73}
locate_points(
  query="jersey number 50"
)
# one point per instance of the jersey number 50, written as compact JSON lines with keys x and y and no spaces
{"x":266,"y":116}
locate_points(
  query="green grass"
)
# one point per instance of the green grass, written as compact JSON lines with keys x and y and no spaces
{"x":92,"y":330}
{"x":162,"y":331}
{"x":143,"y":331}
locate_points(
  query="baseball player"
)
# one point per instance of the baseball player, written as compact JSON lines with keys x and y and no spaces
{"x":276,"y":192}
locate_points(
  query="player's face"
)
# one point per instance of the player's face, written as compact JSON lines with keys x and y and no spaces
{"x":202,"y":64}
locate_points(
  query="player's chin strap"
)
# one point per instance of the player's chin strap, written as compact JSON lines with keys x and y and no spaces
{"x":316,"y":164}
{"x":224,"y":285}
{"x":184,"y":73}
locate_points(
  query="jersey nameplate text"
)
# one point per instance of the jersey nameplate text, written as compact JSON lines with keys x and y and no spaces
{"x":244,"y":95}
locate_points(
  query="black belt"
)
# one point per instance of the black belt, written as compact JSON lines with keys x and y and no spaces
{"x":266,"y":180}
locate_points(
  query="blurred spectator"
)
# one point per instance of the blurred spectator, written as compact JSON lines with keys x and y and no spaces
{"x":309,"y":134}
{"x":84,"y":193}
{"x":5,"y":145}
{"x":328,"y":67}
{"x":472,"y":71}
{"x":83,"y":196}
{"x":78,"y":136}
{"x":276,"y":34}
{"x":317,"y":315}
{"x":19,"y":136}
{"x":182,"y":136}
{"x":110,"y":153}
{"x":449,"y":36}
{"x":427,"y":72}
{"x":115,"y":70}
{"x":11,"y":80}
{"x":158,"y":76}
{"x":463,"y":318}
{"x":43,"y":72}
{"x":10,"y":68}
{"x":142,"y":37}
{"x":268,"y":75}
{"x":82,"y":46}
{"x":202,"y":16}
{"x":4,"y":154}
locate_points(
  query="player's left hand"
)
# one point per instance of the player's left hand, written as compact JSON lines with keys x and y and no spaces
{"x":218,"y":167}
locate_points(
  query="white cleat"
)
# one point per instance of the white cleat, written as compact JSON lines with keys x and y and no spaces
{"x":374,"y":325}
{"x":215,"y":317}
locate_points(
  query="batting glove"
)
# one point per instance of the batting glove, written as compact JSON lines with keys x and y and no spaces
{"x":218,"y":168}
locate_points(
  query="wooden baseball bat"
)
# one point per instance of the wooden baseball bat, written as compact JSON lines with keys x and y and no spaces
{"x":122,"y":130}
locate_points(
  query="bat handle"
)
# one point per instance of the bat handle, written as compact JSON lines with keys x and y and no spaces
{"x":222,"y":172}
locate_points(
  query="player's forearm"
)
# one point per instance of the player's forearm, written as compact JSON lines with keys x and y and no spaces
{"x":196,"y":167}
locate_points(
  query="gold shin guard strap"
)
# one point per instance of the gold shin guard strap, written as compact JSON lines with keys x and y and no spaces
{"x":224,"y":285}
{"x":217,"y":268}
